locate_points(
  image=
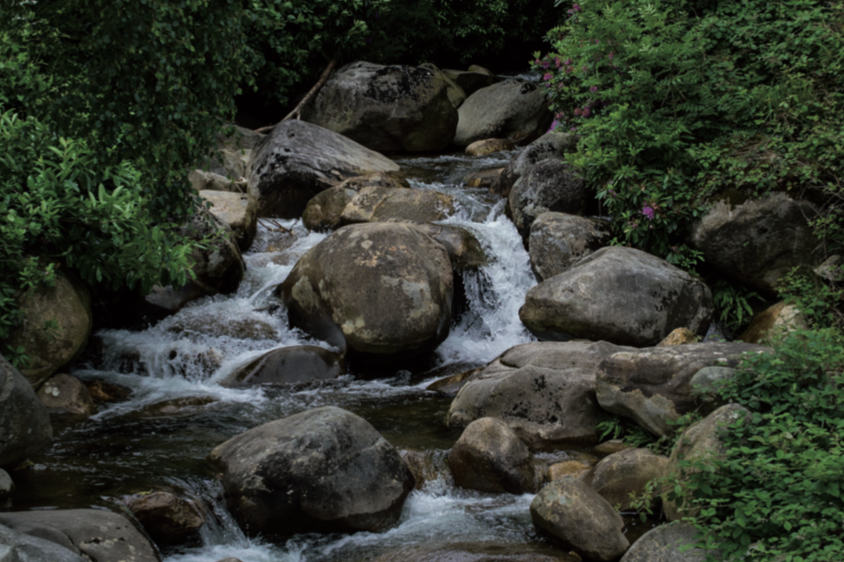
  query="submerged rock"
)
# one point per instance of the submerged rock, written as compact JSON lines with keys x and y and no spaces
{"x":300,"y":363}
{"x":24,"y":422}
{"x":21,"y":547}
{"x":167,"y":518}
{"x":324,"y":469}
{"x":64,"y":394}
{"x":477,"y":552}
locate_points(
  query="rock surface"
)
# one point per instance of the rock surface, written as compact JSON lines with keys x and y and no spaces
{"x":392,"y":108}
{"x":488,"y":146}
{"x":300,"y":159}
{"x":575,"y":514}
{"x":20,"y":547}
{"x":167,"y":518}
{"x":666,"y":543}
{"x":549,"y":185}
{"x":375,"y":203}
{"x":653,"y":386}
{"x":490,"y":457}
{"x":301,"y":363}
{"x":510,"y":109}
{"x":550,"y":145}
{"x":621,"y":476}
{"x":64,"y":394}
{"x":622,"y":295}
{"x":324,"y":469}
{"x":324,"y":210}
{"x":24,"y":422}
{"x":376,"y":288}
{"x":779,"y":318}
{"x":238,"y":210}
{"x":477,"y":552}
{"x":558,"y":240}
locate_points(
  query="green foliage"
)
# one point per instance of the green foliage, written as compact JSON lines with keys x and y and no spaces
{"x":680,"y":101}
{"x":734,"y":305}
{"x":778,"y":490}
{"x":820,"y":301}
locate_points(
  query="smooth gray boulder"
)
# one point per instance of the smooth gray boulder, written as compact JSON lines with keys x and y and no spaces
{"x":24,"y":421}
{"x":549,"y":185}
{"x":653,"y":386}
{"x":299,"y":159}
{"x":325,"y":209}
{"x":552,"y":144}
{"x":379,"y":204}
{"x":394,"y":108}
{"x":558,"y":240}
{"x":95,"y":534}
{"x":300,"y":363}
{"x":672,"y":542}
{"x":573,"y":513}
{"x":20,"y":547}
{"x":323,"y":469}
{"x":378,"y":289}
{"x":760,"y":240}
{"x":622,"y":295}
{"x":510,"y":109}
{"x":238,"y":210}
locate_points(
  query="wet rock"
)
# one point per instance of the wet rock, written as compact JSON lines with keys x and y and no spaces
{"x":301,"y":363}
{"x":102,"y":391}
{"x":379,"y":289}
{"x":679,"y":336}
{"x":98,"y":535}
{"x":452,"y":384}
{"x":392,"y":108}
{"x":568,"y":469}
{"x":622,"y":295}
{"x":167,"y":518}
{"x":573,"y":513}
{"x":549,"y":185}
{"x":490,"y":457}
{"x":488,"y":146}
{"x":758,"y":241}
{"x":375,"y":203}
{"x":56,"y":325}
{"x":543,"y":391}
{"x":425,"y":466}
{"x":227,"y":167}
{"x":64,"y":394}
{"x":324,"y":469}
{"x":623,"y":476}
{"x":483,"y":178}
{"x":702,"y":441}
{"x":204,"y":180}
{"x":189,"y":405}
{"x":511,"y":109}
{"x":463,"y":248}
{"x":299,"y":159}
{"x":667,"y":543}
{"x":325,"y":209}
{"x":238,"y":210}
{"x":653,"y":385}
{"x":610,"y":447}
{"x":550,"y":145}
{"x":21,"y":547}
{"x":558,"y":240}
{"x":24,"y":422}
{"x":779,"y":318}
{"x":6,"y":486}
{"x":470,"y":81}
{"x":477,"y":552}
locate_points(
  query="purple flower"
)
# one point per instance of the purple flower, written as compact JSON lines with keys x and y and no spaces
{"x":547,"y":76}
{"x":649,"y":212}
{"x":587,"y":111}
{"x":611,"y":55}
{"x":557,"y":62}
{"x":593,"y":89}
{"x":554,"y":124}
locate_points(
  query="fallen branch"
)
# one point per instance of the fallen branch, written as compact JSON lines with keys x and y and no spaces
{"x":297,"y":111}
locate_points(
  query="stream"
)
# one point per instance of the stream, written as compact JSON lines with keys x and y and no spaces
{"x":160,"y":436}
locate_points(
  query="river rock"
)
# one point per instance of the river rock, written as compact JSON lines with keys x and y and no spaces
{"x":490,"y":457}
{"x":511,"y":109}
{"x":624,"y":475}
{"x":64,"y":394}
{"x":21,"y":547}
{"x":549,"y":185}
{"x":238,"y":210}
{"x":300,"y":363}
{"x":300,"y":159}
{"x":324,"y":469}
{"x":667,"y":543}
{"x":394,"y":108}
{"x":653,"y":385}
{"x":779,"y":318}
{"x":95,"y":534}
{"x":488,"y":146}
{"x":24,"y":422}
{"x":464,"y":249}
{"x":56,"y":324}
{"x":488,"y":178}
{"x":622,"y":295}
{"x":227,"y":167}
{"x":679,"y":336}
{"x":552,"y":144}
{"x":470,"y":81}
{"x":477,"y":552}
{"x":7,"y":486}
{"x":758,"y":241}
{"x":572,"y":512}
{"x":702,"y":441}
{"x":167,"y":518}
{"x":557,"y":240}
{"x":568,"y":469}
{"x":378,"y":204}
{"x":544,"y":391}
{"x":324,"y":210}
{"x":379,"y":289}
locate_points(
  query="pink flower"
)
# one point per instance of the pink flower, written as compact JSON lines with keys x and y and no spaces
{"x":547,"y":76}
{"x":577,"y":111}
{"x":586,"y":111}
{"x":649,"y":212}
{"x":593,"y":89}
{"x":554,"y":124}
{"x":545,"y":64}
{"x":557,"y":62}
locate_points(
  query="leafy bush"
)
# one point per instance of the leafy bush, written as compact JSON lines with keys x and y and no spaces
{"x":778,"y":491}
{"x":679,"y":101}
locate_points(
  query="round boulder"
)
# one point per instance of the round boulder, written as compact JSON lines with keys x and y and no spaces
{"x":622,"y":295}
{"x":552,"y":144}
{"x":167,"y":518}
{"x":24,"y":422}
{"x":324,"y":469}
{"x":392,"y":108}
{"x":378,"y":204}
{"x":488,"y":146}
{"x":557,"y":240}
{"x":623,"y":476}
{"x":378,"y":289}
{"x":673,"y":542}
{"x":550,"y":185}
{"x":64,"y":394}
{"x":300,"y":363}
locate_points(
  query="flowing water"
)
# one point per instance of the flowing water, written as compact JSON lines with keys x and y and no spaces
{"x":160,"y":436}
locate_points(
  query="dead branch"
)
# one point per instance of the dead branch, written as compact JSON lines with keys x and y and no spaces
{"x":297,"y":111}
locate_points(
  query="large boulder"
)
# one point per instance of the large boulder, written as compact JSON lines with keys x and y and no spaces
{"x":490,"y":457}
{"x":20,"y":547}
{"x":299,"y":159}
{"x":94,"y":534}
{"x":464,"y":249}
{"x":758,"y":241}
{"x":511,"y":109}
{"x":544,"y":391}
{"x":299,"y":363}
{"x":623,"y":476}
{"x":167,"y":518}
{"x":325,"y":209}
{"x":673,"y":542}
{"x":622,"y":295}
{"x":64,"y":394}
{"x":57,"y":322}
{"x":552,"y":144}
{"x":324,"y":469}
{"x":379,"y":289}
{"x":477,"y":552}
{"x":24,"y":422}
{"x":238,"y":210}
{"x":573,"y":513}
{"x":470,"y":80}
{"x":376,"y":204}
{"x":653,"y":386}
{"x":550,"y":185}
{"x":227,"y":167}
{"x":392,"y":108}
{"x":558,"y":240}
{"x":777,"y":319}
